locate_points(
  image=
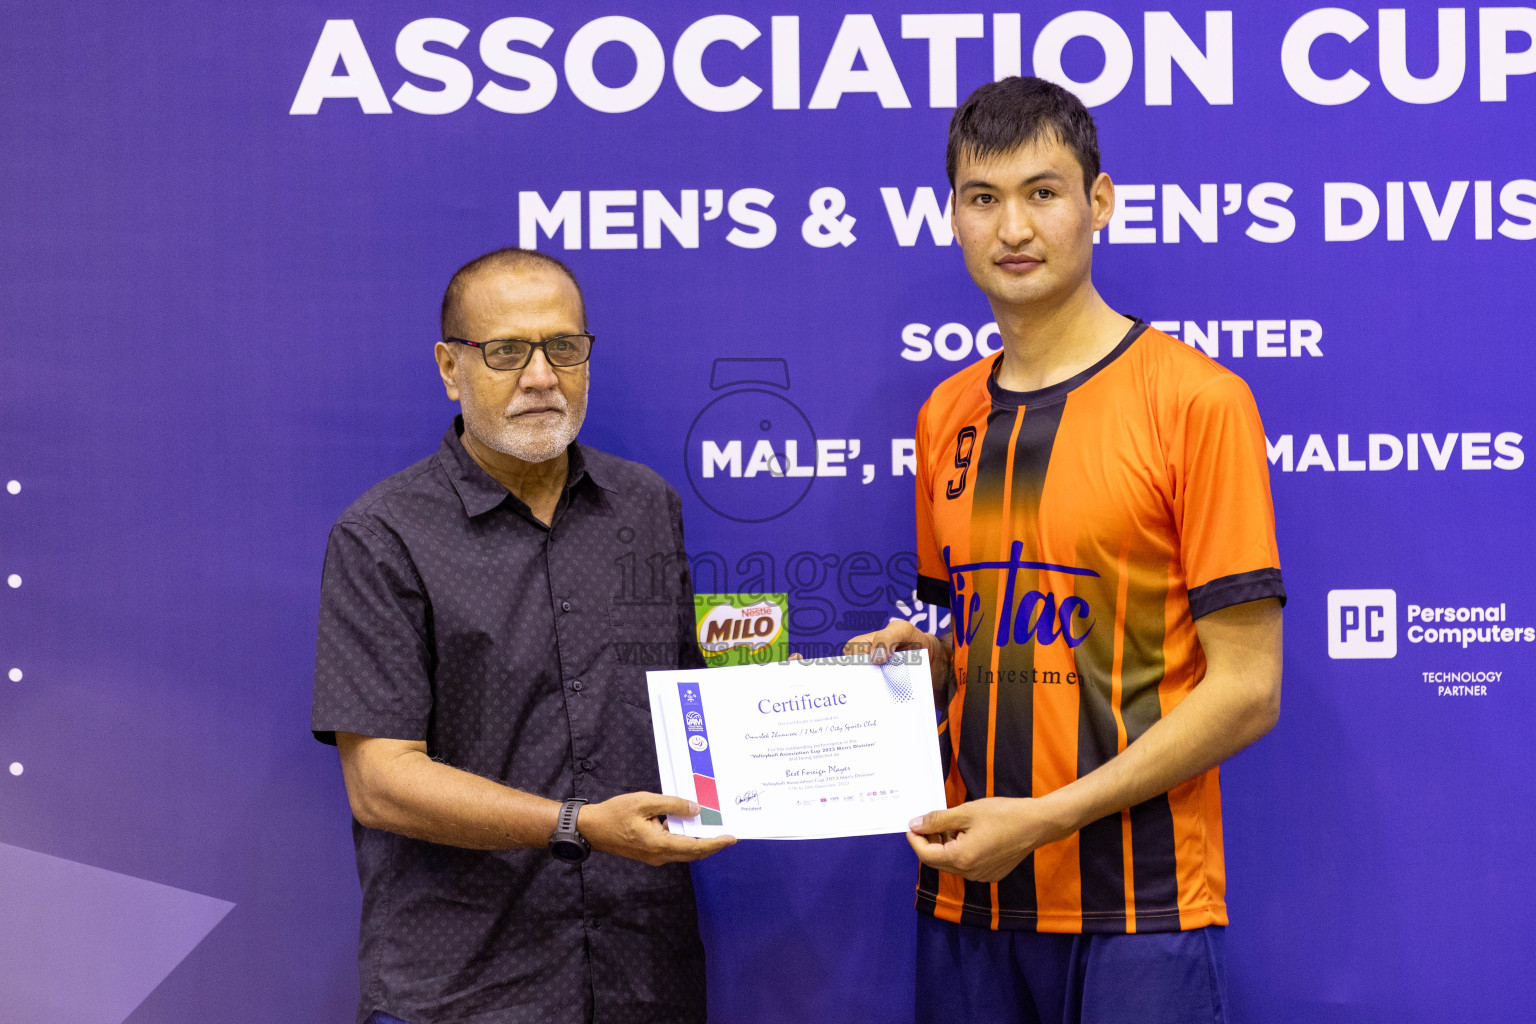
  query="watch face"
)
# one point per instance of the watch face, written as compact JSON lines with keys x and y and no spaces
{"x":568,"y":850}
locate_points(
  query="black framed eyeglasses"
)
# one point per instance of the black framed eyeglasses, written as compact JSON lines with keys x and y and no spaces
{"x":516,"y":353}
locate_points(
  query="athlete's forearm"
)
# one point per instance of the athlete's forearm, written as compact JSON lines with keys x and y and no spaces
{"x":1237,"y":702}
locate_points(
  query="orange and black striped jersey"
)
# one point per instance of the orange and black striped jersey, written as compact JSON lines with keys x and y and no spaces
{"x":1076,"y":533}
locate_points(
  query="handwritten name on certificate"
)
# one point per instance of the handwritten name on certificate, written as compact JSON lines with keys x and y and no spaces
{"x":800,"y":749}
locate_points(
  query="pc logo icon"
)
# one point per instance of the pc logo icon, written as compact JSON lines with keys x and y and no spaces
{"x":1362,"y":623}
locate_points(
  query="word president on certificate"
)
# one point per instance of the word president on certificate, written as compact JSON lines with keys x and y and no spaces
{"x":799,"y":749}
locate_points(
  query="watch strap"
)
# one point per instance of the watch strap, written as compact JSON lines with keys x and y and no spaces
{"x":565,"y":824}
{"x":566,"y":843}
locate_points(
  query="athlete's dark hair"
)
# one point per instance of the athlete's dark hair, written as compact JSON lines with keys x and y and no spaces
{"x":500,"y":259}
{"x":1001,"y":116}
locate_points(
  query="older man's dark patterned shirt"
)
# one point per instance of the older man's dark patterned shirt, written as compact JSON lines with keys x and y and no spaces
{"x":517,"y":652}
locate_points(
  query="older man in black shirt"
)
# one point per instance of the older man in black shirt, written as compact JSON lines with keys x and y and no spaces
{"x":486,"y":620}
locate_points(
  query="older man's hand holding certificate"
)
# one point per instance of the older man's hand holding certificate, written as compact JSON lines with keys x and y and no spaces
{"x":800,"y":749}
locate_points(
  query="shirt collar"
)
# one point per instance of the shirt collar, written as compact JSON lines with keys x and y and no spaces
{"x":480,"y":492}
{"x":1059,"y":391}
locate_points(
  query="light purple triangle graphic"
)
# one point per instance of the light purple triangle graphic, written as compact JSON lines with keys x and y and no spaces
{"x":81,"y":945}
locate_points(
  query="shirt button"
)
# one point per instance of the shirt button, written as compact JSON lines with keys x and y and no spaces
{"x":577,"y":685}
{"x":586,"y":766}
{"x":565,"y":606}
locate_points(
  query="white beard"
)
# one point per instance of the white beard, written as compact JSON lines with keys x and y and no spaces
{"x":530,"y":442}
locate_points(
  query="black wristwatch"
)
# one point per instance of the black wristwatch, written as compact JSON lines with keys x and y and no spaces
{"x":566,"y":843}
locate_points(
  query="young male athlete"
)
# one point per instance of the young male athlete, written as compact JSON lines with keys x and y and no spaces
{"x":1093,"y":506}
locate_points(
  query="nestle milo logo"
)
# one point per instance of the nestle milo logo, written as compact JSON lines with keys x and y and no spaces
{"x":751,"y":625}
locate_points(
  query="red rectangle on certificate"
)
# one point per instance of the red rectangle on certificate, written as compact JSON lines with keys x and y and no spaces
{"x":708,"y":795}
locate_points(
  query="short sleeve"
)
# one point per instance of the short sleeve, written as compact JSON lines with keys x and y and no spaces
{"x":1222,"y":504}
{"x":373,"y":659}
{"x":932,"y":574}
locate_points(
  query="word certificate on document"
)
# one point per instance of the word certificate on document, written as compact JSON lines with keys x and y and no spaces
{"x":799,"y":749}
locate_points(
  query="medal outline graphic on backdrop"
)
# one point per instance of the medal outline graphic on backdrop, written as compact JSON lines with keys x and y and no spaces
{"x":734,"y":375}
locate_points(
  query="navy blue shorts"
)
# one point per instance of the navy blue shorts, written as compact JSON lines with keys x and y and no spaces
{"x":977,"y":976}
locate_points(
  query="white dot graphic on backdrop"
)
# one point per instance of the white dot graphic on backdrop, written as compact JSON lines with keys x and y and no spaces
{"x":14,"y":487}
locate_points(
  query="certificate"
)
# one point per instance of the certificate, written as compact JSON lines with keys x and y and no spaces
{"x":799,"y":749}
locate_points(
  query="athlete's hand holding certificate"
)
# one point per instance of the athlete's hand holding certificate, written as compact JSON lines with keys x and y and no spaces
{"x":800,"y":749}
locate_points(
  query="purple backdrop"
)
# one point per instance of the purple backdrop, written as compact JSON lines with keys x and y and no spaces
{"x":216,"y":319}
